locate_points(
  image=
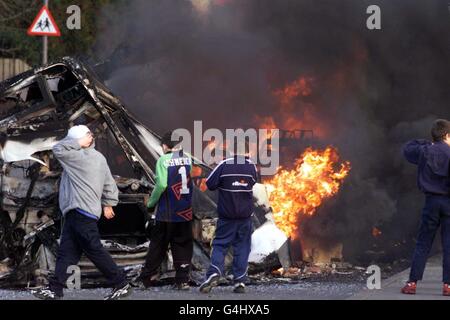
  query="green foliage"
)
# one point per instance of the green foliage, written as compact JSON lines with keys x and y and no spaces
{"x":17,"y":16}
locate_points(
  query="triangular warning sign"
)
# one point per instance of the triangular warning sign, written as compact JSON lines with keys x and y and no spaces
{"x":44,"y":24}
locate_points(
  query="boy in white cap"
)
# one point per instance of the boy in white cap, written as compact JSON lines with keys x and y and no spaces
{"x":86,"y":186}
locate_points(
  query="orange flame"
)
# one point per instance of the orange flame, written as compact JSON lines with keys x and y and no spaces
{"x":299,"y":192}
{"x":196,"y":174}
{"x":376,"y":232}
{"x":202,"y":185}
{"x":294,"y":112}
{"x":211,"y":145}
{"x":196,"y":171}
{"x":267,"y":123}
{"x":300,"y":87}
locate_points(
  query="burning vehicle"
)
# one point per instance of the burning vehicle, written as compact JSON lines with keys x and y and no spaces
{"x":36,"y":108}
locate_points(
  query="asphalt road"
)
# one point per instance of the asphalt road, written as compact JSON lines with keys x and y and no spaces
{"x":428,"y":289}
{"x":335,"y":288}
{"x":302,"y":290}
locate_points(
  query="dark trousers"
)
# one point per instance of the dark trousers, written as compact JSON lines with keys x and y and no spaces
{"x":436,"y":212}
{"x":235,"y":233}
{"x":179,"y":236}
{"x":80,"y":234}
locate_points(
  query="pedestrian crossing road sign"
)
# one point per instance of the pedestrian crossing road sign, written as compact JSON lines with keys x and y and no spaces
{"x":44,"y":24}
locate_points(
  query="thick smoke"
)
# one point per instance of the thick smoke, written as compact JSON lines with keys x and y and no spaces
{"x":175,"y":61}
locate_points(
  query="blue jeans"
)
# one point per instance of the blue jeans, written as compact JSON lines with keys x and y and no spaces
{"x":436,"y":212}
{"x":235,"y":233}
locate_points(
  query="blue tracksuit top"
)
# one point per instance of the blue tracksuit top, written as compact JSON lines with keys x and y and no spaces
{"x":433,"y":161}
{"x":234,"y":178}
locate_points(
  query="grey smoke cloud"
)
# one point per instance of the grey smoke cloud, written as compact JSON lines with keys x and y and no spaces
{"x":371,"y":90}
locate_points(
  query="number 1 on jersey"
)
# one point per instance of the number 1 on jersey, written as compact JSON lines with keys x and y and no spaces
{"x":184,"y":187}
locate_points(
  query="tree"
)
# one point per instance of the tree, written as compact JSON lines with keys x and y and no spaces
{"x":16,"y":17}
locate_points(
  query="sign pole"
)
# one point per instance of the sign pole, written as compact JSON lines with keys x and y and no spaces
{"x":44,"y":25}
{"x":45,"y":44}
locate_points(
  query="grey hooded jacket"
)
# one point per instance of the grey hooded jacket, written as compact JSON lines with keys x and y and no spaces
{"x":86,"y":181}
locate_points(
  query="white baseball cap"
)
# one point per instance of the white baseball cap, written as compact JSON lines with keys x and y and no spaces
{"x":78,"y":132}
